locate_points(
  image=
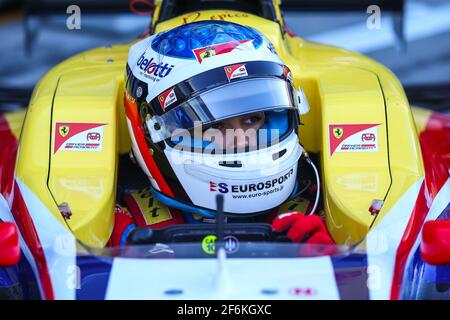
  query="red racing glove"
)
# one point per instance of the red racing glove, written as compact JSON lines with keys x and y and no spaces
{"x":123,"y":224}
{"x":305,"y":229}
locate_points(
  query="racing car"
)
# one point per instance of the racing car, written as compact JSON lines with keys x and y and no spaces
{"x":384,"y":168}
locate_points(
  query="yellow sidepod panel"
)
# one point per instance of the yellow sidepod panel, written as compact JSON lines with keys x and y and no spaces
{"x":84,"y":148}
{"x":354,"y":159}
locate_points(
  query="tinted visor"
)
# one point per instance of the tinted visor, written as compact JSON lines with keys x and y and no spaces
{"x":221,"y":103}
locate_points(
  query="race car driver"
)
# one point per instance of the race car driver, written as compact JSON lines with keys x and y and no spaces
{"x":211,"y":108}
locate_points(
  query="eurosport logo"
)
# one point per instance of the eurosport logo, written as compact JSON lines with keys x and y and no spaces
{"x":158,"y":70}
{"x":223,"y":187}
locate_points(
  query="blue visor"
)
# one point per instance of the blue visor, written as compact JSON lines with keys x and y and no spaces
{"x":271,"y":95}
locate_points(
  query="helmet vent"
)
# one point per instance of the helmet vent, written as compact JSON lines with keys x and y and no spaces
{"x":278,"y":155}
{"x":230,"y":164}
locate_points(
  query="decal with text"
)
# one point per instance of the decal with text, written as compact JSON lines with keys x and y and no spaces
{"x":217,"y":49}
{"x":236,"y":71}
{"x":353,"y":138}
{"x":71,"y":136}
{"x":167,"y":98}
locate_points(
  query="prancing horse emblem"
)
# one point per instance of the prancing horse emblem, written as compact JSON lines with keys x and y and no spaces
{"x":64,"y":131}
{"x":338,"y":132}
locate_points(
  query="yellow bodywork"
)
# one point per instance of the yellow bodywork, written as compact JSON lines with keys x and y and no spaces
{"x":342,"y":87}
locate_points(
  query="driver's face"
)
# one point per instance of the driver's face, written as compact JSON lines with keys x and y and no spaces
{"x":238,"y":132}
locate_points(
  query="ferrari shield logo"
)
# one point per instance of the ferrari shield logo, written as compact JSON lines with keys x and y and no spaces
{"x":217,"y":49}
{"x":209,"y":52}
{"x":236,"y":71}
{"x":338,"y":132}
{"x":64,"y":130}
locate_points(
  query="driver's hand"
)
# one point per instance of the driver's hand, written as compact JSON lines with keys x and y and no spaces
{"x":302,"y":229}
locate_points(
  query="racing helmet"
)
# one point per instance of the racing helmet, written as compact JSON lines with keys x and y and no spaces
{"x":182,"y":83}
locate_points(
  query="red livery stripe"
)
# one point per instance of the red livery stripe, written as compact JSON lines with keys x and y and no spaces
{"x":8,"y":148}
{"x":8,"y":151}
{"x":28,"y":231}
{"x":435,"y":146}
{"x":138,"y":132}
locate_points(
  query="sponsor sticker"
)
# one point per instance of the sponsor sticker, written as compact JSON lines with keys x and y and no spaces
{"x":277,"y":182}
{"x":150,"y":69}
{"x":353,"y":138}
{"x":139,"y":92}
{"x":306,"y":292}
{"x":231,"y":244}
{"x":167,"y":98}
{"x":209,"y":244}
{"x":70,"y":136}
{"x":236,"y":71}
{"x":216,"y":49}
{"x":151,"y":209}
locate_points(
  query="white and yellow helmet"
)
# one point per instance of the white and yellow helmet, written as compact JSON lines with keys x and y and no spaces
{"x":197,"y":75}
